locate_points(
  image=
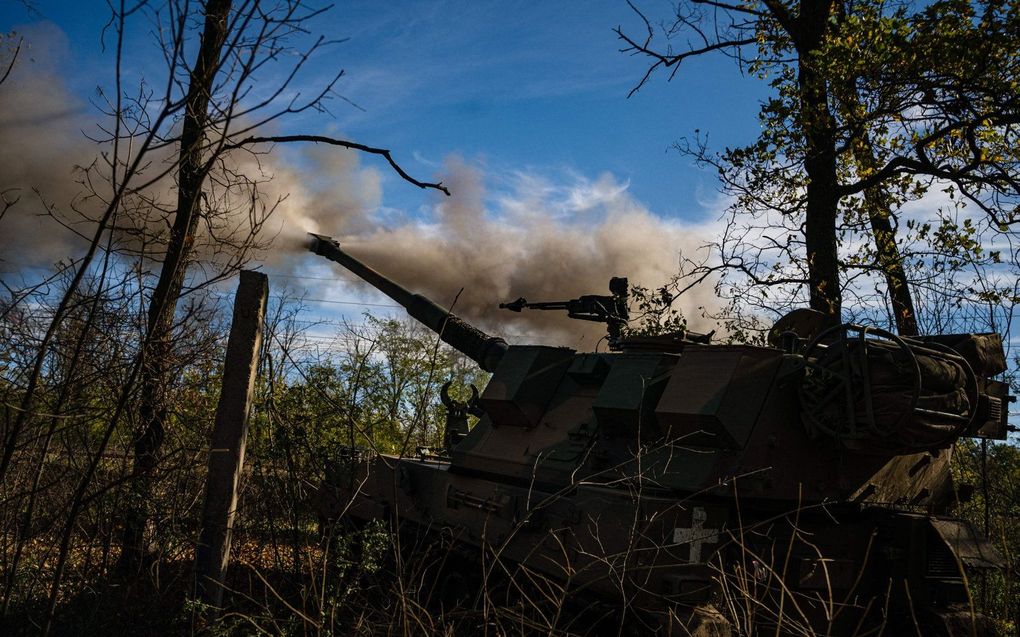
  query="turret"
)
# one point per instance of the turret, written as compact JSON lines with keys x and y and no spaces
{"x":485,"y":350}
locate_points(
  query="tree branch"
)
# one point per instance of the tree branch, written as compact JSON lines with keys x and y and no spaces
{"x":673,"y":60}
{"x":320,"y":139}
{"x":782,"y":15}
{"x":733,"y":7}
{"x":14,"y":58}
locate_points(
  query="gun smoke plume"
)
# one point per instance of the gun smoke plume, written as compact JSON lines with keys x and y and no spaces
{"x":40,"y":145}
{"x":528,"y":237}
{"x":537,"y":240}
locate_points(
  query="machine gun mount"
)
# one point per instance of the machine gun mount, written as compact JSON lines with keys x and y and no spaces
{"x":611,"y":310}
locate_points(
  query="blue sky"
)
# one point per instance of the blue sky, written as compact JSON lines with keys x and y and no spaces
{"x":514,"y":86}
{"x":561,"y":180}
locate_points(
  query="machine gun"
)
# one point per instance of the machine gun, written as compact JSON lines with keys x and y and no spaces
{"x":611,"y":310}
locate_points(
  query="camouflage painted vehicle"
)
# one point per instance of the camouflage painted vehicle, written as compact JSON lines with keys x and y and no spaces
{"x":805,"y":483}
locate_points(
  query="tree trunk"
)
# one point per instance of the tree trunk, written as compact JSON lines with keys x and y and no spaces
{"x":887,"y":253}
{"x":818,"y":127}
{"x":891,"y":262}
{"x":163,"y":304}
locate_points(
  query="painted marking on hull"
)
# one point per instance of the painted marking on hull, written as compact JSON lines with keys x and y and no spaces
{"x":696,"y":535}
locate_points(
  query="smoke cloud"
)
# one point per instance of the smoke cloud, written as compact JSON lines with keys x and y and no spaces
{"x":40,"y":146}
{"x":499,"y":236}
{"x":537,"y":239}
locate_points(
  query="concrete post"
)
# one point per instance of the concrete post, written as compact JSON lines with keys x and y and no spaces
{"x":226,"y":456}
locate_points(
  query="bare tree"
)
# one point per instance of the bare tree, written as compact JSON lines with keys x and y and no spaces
{"x":184,"y":138}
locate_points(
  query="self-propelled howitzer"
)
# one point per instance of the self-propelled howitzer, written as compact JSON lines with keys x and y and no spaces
{"x":671,"y":472}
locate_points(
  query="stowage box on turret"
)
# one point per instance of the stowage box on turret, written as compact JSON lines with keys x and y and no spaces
{"x":671,"y":473}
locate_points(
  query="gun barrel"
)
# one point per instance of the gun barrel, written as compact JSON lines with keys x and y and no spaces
{"x":485,"y":350}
